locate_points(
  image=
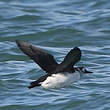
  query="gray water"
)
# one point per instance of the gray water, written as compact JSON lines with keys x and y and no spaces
{"x":56,"y":26}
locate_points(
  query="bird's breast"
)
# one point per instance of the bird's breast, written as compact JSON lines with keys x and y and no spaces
{"x":60,"y":80}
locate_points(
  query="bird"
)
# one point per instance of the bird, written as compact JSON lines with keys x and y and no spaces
{"x":57,"y":75}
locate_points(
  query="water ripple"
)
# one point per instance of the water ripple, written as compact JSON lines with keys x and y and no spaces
{"x":57,"y":27}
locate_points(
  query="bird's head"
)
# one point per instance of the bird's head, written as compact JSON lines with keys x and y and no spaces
{"x":82,"y":70}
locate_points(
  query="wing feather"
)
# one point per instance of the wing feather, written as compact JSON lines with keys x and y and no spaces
{"x":44,"y":60}
{"x":69,"y":61}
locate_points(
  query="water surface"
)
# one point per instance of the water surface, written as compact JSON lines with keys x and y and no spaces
{"x":56,"y":26}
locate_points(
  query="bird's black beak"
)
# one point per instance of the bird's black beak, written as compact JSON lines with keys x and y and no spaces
{"x":86,"y":71}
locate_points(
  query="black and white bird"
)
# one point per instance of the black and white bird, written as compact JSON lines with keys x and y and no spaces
{"x":57,"y":75}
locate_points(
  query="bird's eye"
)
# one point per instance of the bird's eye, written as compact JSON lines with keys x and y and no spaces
{"x":83,"y":69}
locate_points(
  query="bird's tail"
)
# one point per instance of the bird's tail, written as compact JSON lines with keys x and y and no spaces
{"x":33,"y":84}
{"x":38,"y":82}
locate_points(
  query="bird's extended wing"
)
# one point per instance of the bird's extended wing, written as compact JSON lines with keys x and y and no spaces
{"x":43,"y":59}
{"x":69,"y":61}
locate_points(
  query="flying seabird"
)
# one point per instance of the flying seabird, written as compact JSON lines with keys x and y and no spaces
{"x":57,"y":75}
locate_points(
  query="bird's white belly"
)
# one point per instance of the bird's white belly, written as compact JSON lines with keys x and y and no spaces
{"x":60,"y":80}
